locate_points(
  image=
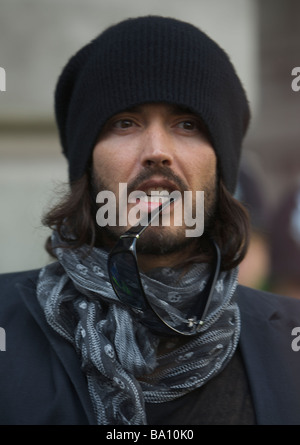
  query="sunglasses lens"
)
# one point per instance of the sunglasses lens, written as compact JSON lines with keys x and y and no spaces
{"x":124,"y":277}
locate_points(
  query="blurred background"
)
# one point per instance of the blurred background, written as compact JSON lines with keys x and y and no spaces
{"x":37,"y":37}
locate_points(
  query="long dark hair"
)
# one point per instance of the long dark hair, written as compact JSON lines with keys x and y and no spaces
{"x":74,"y":217}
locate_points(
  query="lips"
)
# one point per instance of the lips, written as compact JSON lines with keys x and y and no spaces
{"x":157,"y":187}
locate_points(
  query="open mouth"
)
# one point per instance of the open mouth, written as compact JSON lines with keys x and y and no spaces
{"x":154,"y":192}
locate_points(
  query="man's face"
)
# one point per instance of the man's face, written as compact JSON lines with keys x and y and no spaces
{"x":151,"y":148}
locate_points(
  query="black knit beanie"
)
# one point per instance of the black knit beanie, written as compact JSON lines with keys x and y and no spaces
{"x":150,"y":59}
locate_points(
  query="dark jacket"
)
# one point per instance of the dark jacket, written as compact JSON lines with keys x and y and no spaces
{"x":41,"y":382}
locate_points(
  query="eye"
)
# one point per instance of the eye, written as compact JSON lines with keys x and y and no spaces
{"x":123,"y":123}
{"x":188,"y":124}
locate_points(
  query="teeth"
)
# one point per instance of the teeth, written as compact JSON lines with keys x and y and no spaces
{"x":157,"y":191}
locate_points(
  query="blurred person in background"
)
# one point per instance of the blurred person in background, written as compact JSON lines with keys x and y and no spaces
{"x":251,"y":192}
{"x":284,"y":275}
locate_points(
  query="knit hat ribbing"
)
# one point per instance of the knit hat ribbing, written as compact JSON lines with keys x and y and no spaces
{"x":150,"y":59}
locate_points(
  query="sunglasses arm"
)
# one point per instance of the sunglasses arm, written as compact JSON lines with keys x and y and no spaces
{"x":137,"y":230}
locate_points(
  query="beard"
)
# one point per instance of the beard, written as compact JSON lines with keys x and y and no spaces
{"x":160,"y":240}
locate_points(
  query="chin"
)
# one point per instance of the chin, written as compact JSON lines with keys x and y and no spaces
{"x":160,"y":240}
{"x":163,"y":241}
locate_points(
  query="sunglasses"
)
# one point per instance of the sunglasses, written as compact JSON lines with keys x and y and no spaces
{"x":126,"y":281}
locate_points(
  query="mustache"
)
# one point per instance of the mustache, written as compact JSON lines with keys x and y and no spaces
{"x":163,"y":172}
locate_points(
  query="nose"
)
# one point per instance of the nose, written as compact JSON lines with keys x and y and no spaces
{"x":157,"y":147}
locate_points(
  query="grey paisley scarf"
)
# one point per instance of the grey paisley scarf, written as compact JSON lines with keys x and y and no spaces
{"x":125,"y":364}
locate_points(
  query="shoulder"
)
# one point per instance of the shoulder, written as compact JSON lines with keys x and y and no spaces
{"x":267,"y":345}
{"x":10,"y":286}
{"x":262,"y":304}
{"x":21,"y":315}
{"x":11,"y":278}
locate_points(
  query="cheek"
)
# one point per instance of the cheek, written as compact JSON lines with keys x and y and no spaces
{"x":201,"y":167}
{"x":211,"y":162}
{"x":112,"y":166}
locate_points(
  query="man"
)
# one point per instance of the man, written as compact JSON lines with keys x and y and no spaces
{"x":155,"y":105}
